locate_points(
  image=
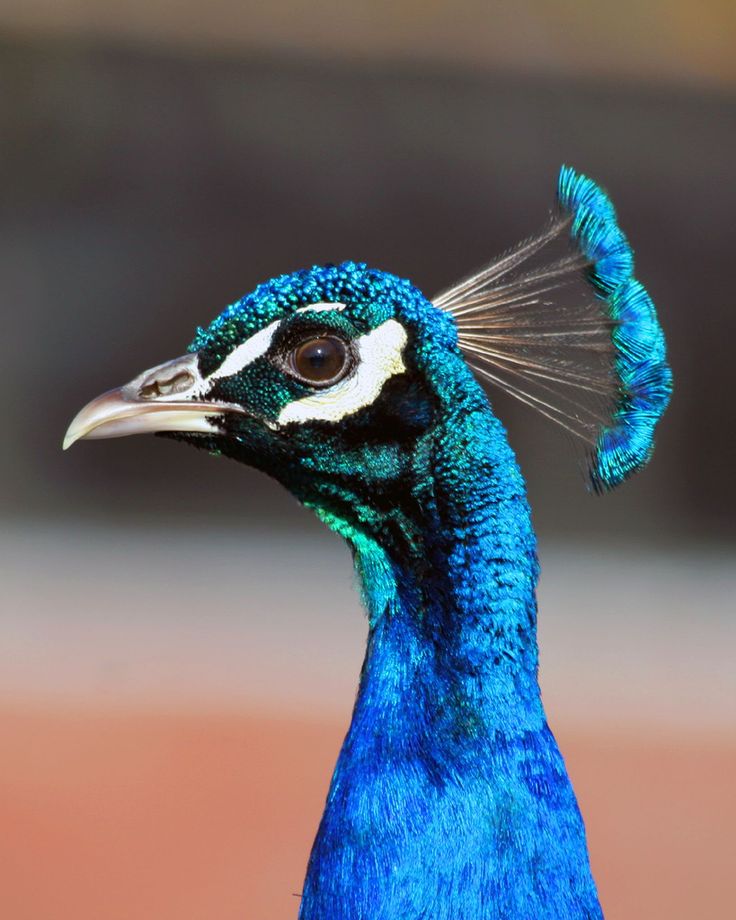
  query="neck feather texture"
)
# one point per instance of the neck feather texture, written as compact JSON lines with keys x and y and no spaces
{"x":450,"y":799}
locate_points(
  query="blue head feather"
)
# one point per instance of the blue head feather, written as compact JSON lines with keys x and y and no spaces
{"x":645,"y":379}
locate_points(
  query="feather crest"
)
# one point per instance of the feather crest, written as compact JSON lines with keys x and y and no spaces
{"x":575,"y":335}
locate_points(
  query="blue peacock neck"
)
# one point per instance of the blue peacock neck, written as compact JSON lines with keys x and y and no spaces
{"x":456,"y":621}
{"x":450,"y":798}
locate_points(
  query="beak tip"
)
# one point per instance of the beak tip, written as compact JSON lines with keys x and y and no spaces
{"x":74,"y":432}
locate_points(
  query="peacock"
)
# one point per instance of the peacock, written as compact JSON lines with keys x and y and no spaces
{"x":450,"y":799}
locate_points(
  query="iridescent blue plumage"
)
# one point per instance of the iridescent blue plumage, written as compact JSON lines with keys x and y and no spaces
{"x":645,"y":380}
{"x":450,"y":799}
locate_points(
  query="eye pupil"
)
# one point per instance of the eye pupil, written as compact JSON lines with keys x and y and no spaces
{"x":320,"y":360}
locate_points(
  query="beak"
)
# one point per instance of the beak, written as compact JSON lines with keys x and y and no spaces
{"x":164,"y":398}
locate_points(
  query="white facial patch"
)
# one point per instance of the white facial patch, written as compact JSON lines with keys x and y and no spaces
{"x":380,"y":357}
{"x":240,"y":357}
{"x":258,"y":344}
{"x":246,"y":353}
{"x":320,"y":307}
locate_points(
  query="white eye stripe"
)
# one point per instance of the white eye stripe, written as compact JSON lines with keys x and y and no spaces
{"x":246,"y":353}
{"x":320,"y":307}
{"x":259,"y":343}
{"x":380,"y":357}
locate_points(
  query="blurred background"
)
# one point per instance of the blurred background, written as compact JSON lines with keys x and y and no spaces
{"x":179,"y":641}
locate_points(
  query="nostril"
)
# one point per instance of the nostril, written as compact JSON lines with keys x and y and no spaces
{"x":149,"y":390}
{"x":167,"y":386}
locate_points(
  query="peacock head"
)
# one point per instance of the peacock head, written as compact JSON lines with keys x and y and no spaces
{"x":336,"y":379}
{"x":326,"y":379}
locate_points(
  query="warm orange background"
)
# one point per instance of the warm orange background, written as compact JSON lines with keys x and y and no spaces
{"x":175,"y":698}
{"x":190,"y":817}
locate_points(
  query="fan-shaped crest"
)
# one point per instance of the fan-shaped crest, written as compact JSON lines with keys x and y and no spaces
{"x":561,"y":323}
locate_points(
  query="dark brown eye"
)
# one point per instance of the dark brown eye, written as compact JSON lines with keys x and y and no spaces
{"x":320,"y":360}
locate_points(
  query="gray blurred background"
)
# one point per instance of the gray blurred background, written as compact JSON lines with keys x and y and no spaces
{"x":155,"y":168}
